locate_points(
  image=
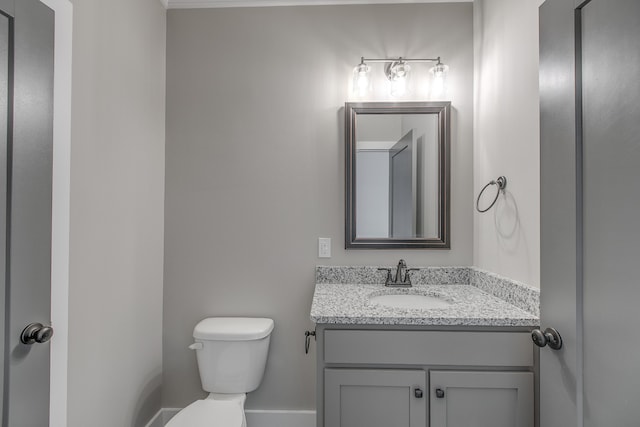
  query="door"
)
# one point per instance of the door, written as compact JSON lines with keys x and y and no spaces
{"x":590,"y":199}
{"x":481,"y":399}
{"x":375,"y":398}
{"x":402,"y":188}
{"x":559,"y":292}
{"x":26,"y":137}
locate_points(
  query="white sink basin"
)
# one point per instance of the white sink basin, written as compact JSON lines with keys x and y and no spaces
{"x":415,"y":301}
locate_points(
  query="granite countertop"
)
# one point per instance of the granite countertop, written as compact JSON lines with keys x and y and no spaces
{"x":470,"y":306}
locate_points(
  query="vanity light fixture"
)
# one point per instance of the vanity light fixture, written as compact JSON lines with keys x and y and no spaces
{"x":397,"y":72}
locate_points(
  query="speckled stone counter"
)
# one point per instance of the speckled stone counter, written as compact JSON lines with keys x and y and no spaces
{"x":342,"y":297}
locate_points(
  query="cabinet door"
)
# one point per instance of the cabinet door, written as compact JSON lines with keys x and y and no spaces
{"x":375,"y":398}
{"x":481,"y":399}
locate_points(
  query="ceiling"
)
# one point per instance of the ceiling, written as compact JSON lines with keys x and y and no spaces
{"x":193,"y":4}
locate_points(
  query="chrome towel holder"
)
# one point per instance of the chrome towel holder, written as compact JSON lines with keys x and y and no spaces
{"x":501,"y":182}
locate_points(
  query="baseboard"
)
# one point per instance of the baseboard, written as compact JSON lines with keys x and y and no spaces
{"x":157,"y":420}
{"x":162,"y":417}
{"x":265,"y":418}
{"x":255,"y":418}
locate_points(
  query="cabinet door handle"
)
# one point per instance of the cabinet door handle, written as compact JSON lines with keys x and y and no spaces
{"x":417,"y":393}
{"x":439,"y":393}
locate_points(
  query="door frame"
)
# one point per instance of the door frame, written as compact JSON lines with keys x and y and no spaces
{"x":60,"y":209}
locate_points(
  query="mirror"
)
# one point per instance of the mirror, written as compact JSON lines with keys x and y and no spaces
{"x":397,"y":175}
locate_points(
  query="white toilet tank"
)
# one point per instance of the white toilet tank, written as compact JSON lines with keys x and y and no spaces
{"x":233,"y":352}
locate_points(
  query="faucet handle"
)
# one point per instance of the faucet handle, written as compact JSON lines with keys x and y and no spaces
{"x":388,"y":270}
{"x":407,"y":278}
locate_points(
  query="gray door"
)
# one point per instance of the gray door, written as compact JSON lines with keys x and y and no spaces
{"x":26,"y":135}
{"x":402,"y":188}
{"x":375,"y":398}
{"x":590,"y":240}
{"x":559,"y":294}
{"x":481,"y":399}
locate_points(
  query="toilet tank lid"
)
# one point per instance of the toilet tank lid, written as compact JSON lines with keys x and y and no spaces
{"x":233,"y":328}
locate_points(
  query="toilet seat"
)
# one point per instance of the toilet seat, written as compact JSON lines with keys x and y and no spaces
{"x":210,"y":413}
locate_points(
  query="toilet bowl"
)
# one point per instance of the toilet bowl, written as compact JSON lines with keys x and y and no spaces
{"x":231,"y":354}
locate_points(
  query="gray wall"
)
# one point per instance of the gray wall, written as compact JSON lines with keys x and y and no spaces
{"x":506,"y":137}
{"x":255,"y":168}
{"x":117,"y":194}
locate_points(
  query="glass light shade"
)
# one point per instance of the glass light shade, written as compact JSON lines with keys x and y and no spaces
{"x":398,"y":74}
{"x":439,"y":72}
{"x":399,"y":70}
{"x":361,"y":80}
{"x":399,"y":86}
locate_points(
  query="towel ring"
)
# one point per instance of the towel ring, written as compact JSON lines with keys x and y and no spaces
{"x":501,"y":182}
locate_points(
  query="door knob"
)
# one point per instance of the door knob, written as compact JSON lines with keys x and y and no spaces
{"x":417,"y":393}
{"x":439,"y":393}
{"x":549,"y":337}
{"x":36,"y":333}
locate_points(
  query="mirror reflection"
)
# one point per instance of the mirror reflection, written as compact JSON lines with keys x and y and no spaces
{"x":397,"y":175}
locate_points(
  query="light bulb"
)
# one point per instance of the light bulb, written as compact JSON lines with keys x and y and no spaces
{"x":361,"y":80}
{"x":399,"y":86}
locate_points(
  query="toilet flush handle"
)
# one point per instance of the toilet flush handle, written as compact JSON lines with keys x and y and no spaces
{"x":196,"y":346}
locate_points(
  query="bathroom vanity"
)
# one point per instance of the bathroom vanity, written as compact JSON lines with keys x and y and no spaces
{"x":391,"y":363}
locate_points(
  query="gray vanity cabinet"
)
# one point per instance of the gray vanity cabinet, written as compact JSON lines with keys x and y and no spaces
{"x":414,"y":377}
{"x":496,"y":399}
{"x":375,"y":397}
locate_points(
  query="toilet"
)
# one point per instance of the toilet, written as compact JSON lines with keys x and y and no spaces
{"x":231,"y":354}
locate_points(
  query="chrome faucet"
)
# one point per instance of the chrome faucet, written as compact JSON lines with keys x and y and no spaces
{"x":402,"y":279}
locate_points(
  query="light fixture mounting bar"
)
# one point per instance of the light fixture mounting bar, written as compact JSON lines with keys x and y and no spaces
{"x":399,"y":59}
